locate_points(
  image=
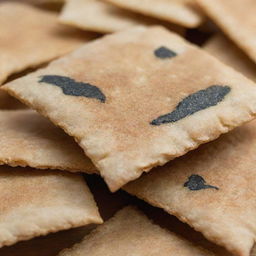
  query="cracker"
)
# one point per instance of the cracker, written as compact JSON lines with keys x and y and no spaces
{"x":132,"y":99}
{"x":181,"y":12}
{"x":226,"y":51}
{"x":35,"y":203}
{"x":32,"y":42}
{"x":82,"y":13}
{"x":237,"y":20}
{"x":31,"y":140}
{"x":97,"y":16}
{"x":212,"y":189}
{"x":130,"y":232}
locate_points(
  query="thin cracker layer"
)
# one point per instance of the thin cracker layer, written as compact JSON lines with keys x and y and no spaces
{"x":30,"y":36}
{"x":181,"y":12}
{"x":29,"y":139}
{"x":212,"y":189}
{"x":237,"y":20}
{"x":95,"y":15}
{"x":226,"y":51}
{"x":111,"y":94}
{"x":35,"y":203}
{"x":130,"y":232}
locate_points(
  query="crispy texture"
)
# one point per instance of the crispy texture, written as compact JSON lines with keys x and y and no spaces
{"x":237,"y":20}
{"x":35,"y":203}
{"x":181,"y":12}
{"x":139,"y":87}
{"x":95,"y":15}
{"x":226,"y":51}
{"x":130,"y":232}
{"x":32,"y":42}
{"x":225,"y":216}
{"x":40,"y":144}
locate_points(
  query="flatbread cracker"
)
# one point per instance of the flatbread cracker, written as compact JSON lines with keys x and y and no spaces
{"x":181,"y":12}
{"x":237,"y":20}
{"x":212,"y":189}
{"x":132,"y":99}
{"x":31,"y":42}
{"x":35,"y":203}
{"x":130,"y":232}
{"x":95,"y":15}
{"x":226,"y":51}
{"x":29,"y":139}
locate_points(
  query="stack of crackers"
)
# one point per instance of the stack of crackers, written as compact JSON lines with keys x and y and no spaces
{"x":129,"y":124}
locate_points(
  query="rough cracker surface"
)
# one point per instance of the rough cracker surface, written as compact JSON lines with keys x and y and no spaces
{"x":130,"y":232}
{"x":26,"y":41}
{"x":237,"y":20}
{"x":29,"y":139}
{"x":226,"y":51}
{"x":35,"y":203}
{"x":139,"y":87}
{"x":181,"y":12}
{"x":224,"y":216}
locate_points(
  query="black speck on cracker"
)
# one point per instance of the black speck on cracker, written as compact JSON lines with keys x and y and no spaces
{"x":196,"y":182}
{"x":164,"y":53}
{"x":193,"y":103}
{"x":70,"y":87}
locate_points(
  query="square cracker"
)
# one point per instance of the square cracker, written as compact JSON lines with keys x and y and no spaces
{"x":35,"y":203}
{"x":40,"y":144}
{"x":212,"y":189}
{"x":82,"y":13}
{"x":113,"y":96}
{"x":130,"y":232}
{"x":181,"y":12}
{"x":237,"y":19}
{"x":224,"y":49}
{"x":31,"y":42}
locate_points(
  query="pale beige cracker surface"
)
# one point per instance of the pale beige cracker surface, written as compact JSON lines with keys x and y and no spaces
{"x":181,"y":12}
{"x":132,"y":99}
{"x":30,"y":36}
{"x":40,"y":1}
{"x":130,"y":232}
{"x":225,"y":214}
{"x":29,"y":139}
{"x":224,"y":49}
{"x":95,"y":15}
{"x":237,"y":20}
{"x":35,"y":203}
{"x":53,"y":1}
